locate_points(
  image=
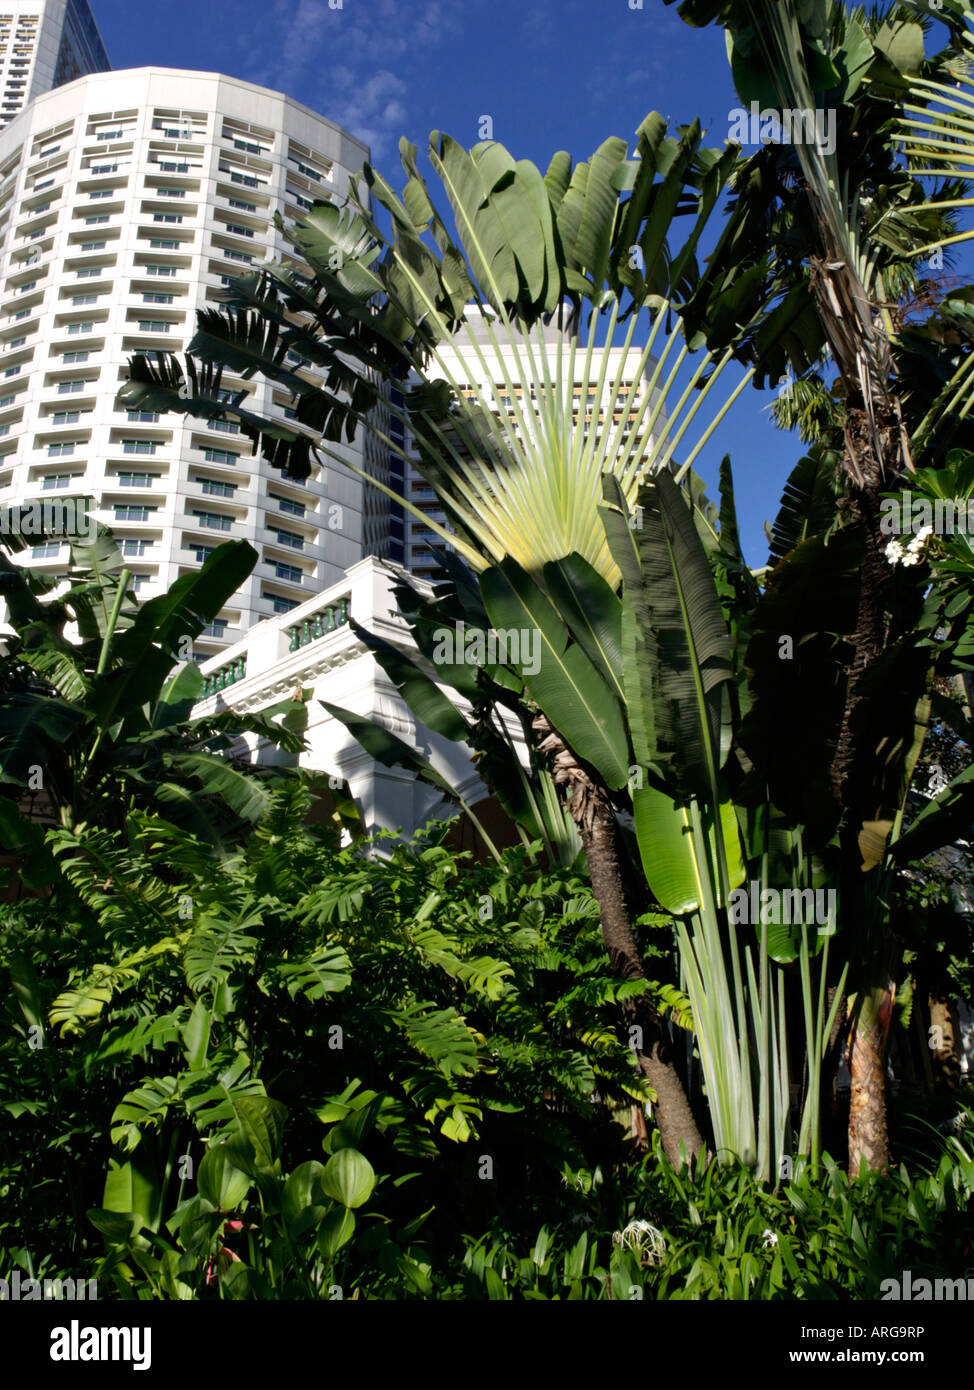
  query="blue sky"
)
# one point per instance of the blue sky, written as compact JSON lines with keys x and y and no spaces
{"x":551,"y":74}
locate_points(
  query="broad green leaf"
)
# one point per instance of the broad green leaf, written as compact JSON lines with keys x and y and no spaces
{"x":567,"y":686}
{"x":670,"y":862}
{"x":132,"y":1187}
{"x":336,"y":1230}
{"x":220,"y":1182}
{"x":303,"y":1189}
{"x":592,"y":613}
{"x":348,"y":1178}
{"x":262,"y":1121}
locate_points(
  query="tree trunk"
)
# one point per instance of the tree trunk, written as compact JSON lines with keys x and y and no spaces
{"x":944,"y":1042}
{"x":673,"y":1115}
{"x":868,"y":1137}
{"x":869,"y":449}
{"x":592,"y":813}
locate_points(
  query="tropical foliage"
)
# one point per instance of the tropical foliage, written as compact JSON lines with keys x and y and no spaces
{"x":257,"y":1061}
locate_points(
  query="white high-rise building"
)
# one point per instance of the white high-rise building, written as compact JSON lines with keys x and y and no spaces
{"x":127,"y":201}
{"x":43,"y":44}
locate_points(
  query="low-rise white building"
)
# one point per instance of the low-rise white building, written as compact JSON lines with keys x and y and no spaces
{"x":313,"y":648}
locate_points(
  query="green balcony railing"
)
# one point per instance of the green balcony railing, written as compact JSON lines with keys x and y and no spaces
{"x":229,"y":674}
{"x":320,"y":623}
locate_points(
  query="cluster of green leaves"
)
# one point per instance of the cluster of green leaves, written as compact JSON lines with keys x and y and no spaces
{"x":716,"y":1233}
{"x":102,"y":722}
{"x":450,"y":1002}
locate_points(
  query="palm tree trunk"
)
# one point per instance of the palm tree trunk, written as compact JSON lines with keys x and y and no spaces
{"x":592,"y":813}
{"x":868,"y":1136}
{"x":673,"y":1115}
{"x":870,"y":442}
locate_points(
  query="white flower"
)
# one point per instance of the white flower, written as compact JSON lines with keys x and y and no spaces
{"x":769,"y":1239}
{"x":894,"y":552}
{"x":645,"y":1239}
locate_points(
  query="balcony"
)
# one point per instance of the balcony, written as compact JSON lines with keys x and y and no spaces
{"x":328,"y":619}
{"x":223,"y":676}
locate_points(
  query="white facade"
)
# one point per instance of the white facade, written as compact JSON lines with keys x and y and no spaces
{"x":127,"y":200}
{"x":314,"y":648}
{"x":43,"y":44}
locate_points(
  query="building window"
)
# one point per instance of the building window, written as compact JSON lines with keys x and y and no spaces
{"x":48,"y":551}
{"x":158,"y":298}
{"x":224,"y":426}
{"x":202,"y":552}
{"x":288,"y":538}
{"x":238,"y":256}
{"x":244,"y":207}
{"x":139,"y":446}
{"x":289,"y":572}
{"x":167,"y":217}
{"x":96,"y":220}
{"x":244,"y":179}
{"x":88,"y":272}
{"x":167,"y":270}
{"x":171,"y":192}
{"x":65,"y":417}
{"x":154,"y":326}
{"x":77,"y":355}
{"x":16,"y":343}
{"x":26,"y":288}
{"x":144,"y":416}
{"x":213,"y":521}
{"x":278,"y":604}
{"x":101,"y":192}
{"x":286,"y":505}
{"x":56,"y":480}
{"x":13,"y":371}
{"x":84,"y":327}
{"x":136,"y":479}
{"x":212,"y":488}
{"x":93,"y":245}
{"x":84,"y":299}
{"x":55,"y":451}
{"x":163,"y":243}
{"x":238,"y":230}
{"x":126,"y":512}
{"x":134,"y":547}
{"x":70,"y":388}
{"x":220,"y":456}
{"x":217,"y":628}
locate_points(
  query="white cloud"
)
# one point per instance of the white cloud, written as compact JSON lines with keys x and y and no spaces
{"x":346,"y":63}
